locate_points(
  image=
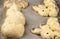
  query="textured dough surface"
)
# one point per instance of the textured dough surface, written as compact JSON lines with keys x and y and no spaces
{"x":49,"y":8}
{"x":51,"y":30}
{"x":13,"y":25}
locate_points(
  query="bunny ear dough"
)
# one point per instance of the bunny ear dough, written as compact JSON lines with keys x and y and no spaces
{"x":7,"y":3}
{"x":51,"y":30}
{"x":41,"y":10}
{"x":20,"y":3}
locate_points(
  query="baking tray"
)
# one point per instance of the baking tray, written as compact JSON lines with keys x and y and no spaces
{"x":32,"y":19}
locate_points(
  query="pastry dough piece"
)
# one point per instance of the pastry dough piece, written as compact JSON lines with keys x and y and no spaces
{"x":51,"y":30}
{"x":20,"y":3}
{"x":49,"y":8}
{"x":13,"y":25}
{"x":45,"y":32}
{"x":41,"y":10}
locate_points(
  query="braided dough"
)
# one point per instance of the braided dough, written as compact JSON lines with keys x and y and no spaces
{"x":51,"y":30}
{"x":49,"y":8}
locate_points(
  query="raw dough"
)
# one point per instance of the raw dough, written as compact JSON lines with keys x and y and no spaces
{"x":49,"y":8}
{"x":13,"y":25}
{"x":51,"y":30}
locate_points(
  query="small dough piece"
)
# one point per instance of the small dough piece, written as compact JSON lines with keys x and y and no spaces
{"x":41,"y":10}
{"x":49,"y":8}
{"x":20,"y":3}
{"x":51,"y":30}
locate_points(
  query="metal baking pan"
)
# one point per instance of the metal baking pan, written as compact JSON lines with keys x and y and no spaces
{"x":32,"y":19}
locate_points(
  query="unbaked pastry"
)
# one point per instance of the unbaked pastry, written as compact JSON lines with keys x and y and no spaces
{"x":13,"y":25}
{"x":49,"y":8}
{"x":51,"y":30}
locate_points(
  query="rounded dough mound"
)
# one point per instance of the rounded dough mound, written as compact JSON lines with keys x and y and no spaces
{"x":20,"y":3}
{"x":51,"y":30}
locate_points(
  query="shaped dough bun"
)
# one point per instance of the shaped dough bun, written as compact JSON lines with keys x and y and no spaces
{"x":13,"y":25}
{"x":51,"y":30}
{"x":49,"y":8}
